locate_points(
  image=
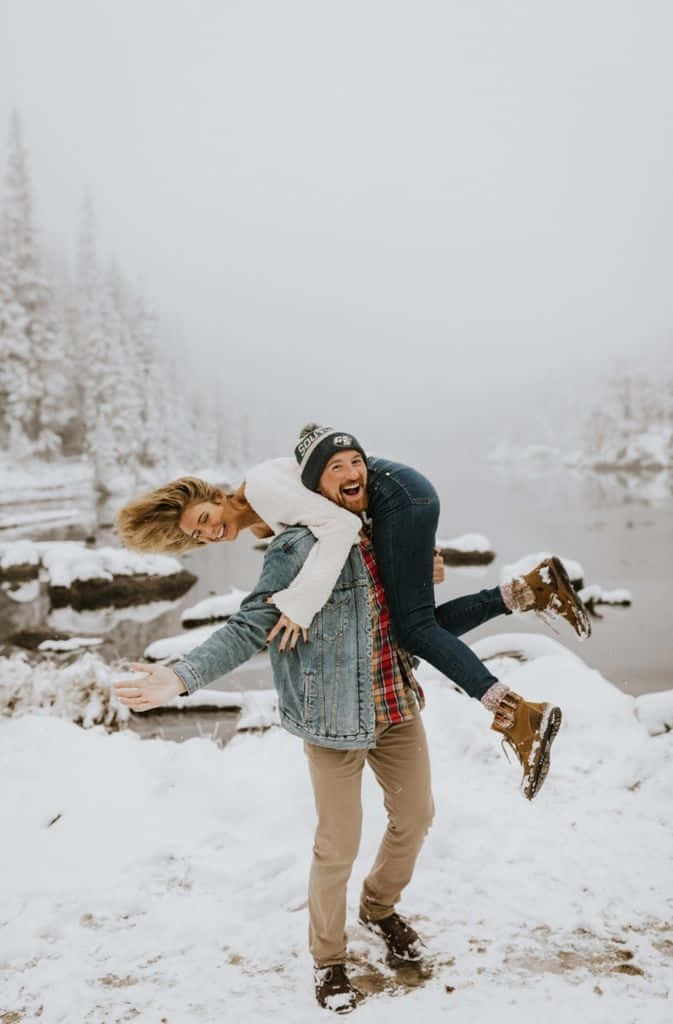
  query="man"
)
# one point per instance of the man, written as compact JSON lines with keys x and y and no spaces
{"x":349,"y":692}
{"x":329,"y":690}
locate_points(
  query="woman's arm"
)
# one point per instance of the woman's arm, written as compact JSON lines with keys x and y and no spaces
{"x":276,"y":492}
{"x":243,"y":635}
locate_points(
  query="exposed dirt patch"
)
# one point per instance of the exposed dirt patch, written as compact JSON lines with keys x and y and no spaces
{"x":393,"y":977}
{"x":584,"y":951}
{"x":114,"y":981}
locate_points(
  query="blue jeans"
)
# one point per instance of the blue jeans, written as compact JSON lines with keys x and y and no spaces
{"x":404,"y":507}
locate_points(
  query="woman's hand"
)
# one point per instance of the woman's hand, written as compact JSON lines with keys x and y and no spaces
{"x":438,"y":567}
{"x":291,"y":632}
{"x":158,"y":686}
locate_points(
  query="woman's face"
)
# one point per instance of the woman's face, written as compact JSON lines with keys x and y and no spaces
{"x":209,"y":522}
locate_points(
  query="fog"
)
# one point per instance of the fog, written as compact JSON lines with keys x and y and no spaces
{"x":432,"y":224}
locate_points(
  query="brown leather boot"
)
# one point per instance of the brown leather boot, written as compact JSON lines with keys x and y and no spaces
{"x":547,"y":590}
{"x":403,"y":942}
{"x":333,"y":989}
{"x":529,"y":729}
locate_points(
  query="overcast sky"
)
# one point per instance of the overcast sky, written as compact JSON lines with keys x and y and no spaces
{"x":428,"y":223}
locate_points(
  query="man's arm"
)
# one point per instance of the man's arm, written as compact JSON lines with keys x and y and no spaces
{"x":243,"y":635}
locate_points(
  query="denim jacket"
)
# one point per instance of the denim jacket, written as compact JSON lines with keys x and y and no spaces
{"x":324,"y":686}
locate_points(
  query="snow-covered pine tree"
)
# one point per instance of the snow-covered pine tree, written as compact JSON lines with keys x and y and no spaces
{"x":93,"y":352}
{"x":31,"y":337}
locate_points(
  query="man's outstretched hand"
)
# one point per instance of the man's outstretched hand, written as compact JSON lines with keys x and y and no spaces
{"x":158,"y":686}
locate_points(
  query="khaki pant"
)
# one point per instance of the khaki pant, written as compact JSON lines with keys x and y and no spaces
{"x":401,"y":765}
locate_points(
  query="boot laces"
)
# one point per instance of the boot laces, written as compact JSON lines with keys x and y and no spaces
{"x":504,"y":743}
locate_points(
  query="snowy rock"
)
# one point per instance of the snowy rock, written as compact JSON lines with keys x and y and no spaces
{"x":32,"y":639}
{"x":213,"y":609}
{"x":594,"y":594}
{"x":86,"y":577}
{"x":655,"y":711}
{"x":19,"y":560}
{"x":468,"y":549}
{"x":171,"y":648}
{"x":259,"y":711}
{"x":79,"y":692}
{"x":74,"y":643}
{"x":100,"y":577}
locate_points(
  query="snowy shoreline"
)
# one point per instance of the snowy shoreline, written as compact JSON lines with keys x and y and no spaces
{"x":170,"y":879}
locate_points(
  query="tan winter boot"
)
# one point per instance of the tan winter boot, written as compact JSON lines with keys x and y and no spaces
{"x":547,"y":590}
{"x":529,"y":729}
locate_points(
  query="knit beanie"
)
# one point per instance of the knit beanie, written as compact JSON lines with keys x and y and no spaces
{"x":316,"y":447}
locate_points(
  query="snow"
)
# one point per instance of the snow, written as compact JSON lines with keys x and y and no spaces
{"x":20,"y":552}
{"x":68,"y":560}
{"x":527,"y":562}
{"x":24,"y":594}
{"x":219,"y":607}
{"x":466,"y":542}
{"x":72,"y":644}
{"x":594,"y":592}
{"x":34,"y":480}
{"x":171,"y":882}
{"x":646,"y":450}
{"x":172,"y":647}
{"x":655,"y":711}
{"x":22,"y":518}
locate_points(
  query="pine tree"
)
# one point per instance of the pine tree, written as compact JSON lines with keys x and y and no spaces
{"x":31,"y":338}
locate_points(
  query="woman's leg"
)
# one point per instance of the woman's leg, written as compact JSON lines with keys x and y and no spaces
{"x":404,"y":528}
{"x":462,"y":614}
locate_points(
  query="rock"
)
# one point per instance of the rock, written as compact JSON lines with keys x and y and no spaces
{"x":121,"y":591}
{"x":454,"y":557}
{"x":30,"y":639}
{"x":19,"y":573}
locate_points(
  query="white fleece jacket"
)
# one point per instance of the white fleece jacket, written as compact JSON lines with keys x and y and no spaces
{"x":275,"y":491}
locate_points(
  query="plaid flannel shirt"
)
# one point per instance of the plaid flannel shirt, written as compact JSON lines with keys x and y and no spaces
{"x":395,"y":688}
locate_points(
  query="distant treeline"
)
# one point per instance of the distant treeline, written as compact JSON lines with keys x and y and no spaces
{"x":86,"y":366}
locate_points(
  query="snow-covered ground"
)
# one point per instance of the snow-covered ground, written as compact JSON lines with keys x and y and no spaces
{"x":629,"y":449}
{"x":33,"y":480}
{"x":151,"y":881}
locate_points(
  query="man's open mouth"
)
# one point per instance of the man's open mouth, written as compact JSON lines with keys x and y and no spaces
{"x":351,"y":490}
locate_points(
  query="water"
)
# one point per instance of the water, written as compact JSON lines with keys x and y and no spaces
{"x":620,"y":530}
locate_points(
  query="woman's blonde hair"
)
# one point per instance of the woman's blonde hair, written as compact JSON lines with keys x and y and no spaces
{"x":151,"y":522}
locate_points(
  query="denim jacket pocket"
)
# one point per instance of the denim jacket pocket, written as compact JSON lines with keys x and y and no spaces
{"x":333,"y":619}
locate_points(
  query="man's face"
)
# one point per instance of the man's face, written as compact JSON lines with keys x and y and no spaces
{"x":344,"y":480}
{"x":208,"y":521}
